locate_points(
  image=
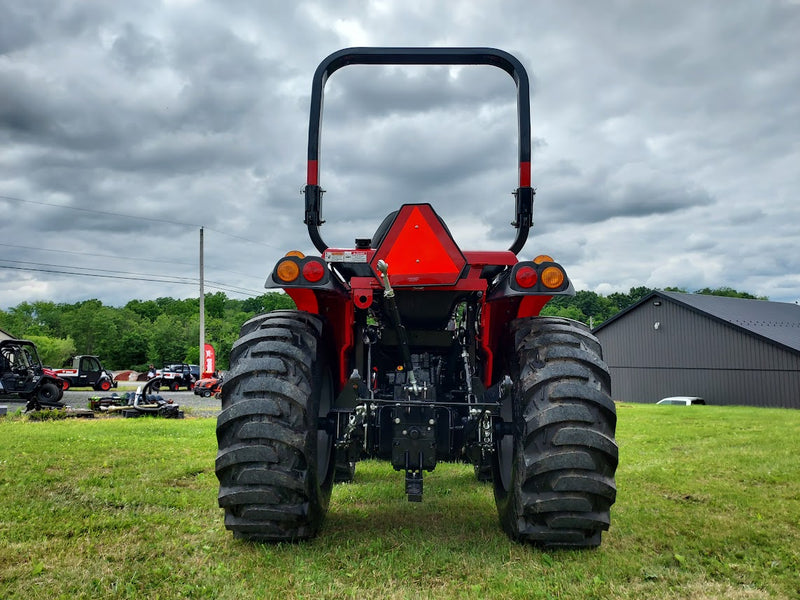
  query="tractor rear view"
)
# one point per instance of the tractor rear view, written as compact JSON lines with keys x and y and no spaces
{"x":409,"y":349}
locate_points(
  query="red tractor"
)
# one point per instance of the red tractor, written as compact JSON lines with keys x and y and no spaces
{"x":409,"y":349}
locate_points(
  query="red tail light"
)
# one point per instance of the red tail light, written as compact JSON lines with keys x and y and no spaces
{"x":313,"y":271}
{"x":526,"y":277}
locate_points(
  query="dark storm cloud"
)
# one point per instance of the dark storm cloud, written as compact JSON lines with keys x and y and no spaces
{"x":597,"y":198}
{"x":136,"y":51}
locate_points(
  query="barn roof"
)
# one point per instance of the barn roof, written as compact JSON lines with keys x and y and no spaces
{"x":778,"y":322}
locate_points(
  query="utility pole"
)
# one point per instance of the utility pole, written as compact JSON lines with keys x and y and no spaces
{"x":202,"y":310}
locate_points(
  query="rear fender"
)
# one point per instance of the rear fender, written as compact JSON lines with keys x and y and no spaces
{"x":339,"y":312}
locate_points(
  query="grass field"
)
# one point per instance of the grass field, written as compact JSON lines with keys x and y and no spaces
{"x":708,"y":507}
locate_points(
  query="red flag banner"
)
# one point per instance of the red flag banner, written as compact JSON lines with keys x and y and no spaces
{"x":208,"y":360}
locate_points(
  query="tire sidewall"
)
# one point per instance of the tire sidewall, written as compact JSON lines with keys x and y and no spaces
{"x":505,"y":477}
{"x":320,"y":476}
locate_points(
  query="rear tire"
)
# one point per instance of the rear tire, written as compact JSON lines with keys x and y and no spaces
{"x":274,"y":465}
{"x":554,"y":475}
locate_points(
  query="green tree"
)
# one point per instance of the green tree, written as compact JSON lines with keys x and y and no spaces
{"x":179,"y":308}
{"x":94,"y":327}
{"x":593,"y":305}
{"x":215,"y":305}
{"x":169,"y":340}
{"x":132,"y":352}
{"x":19,"y":319}
{"x":569,"y":312}
{"x":729,"y":292}
{"x":53,"y":352}
{"x":266,"y":303}
{"x":637,"y":293}
{"x":148,"y":309}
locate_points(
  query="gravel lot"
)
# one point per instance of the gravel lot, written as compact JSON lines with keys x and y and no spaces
{"x":192,"y":405}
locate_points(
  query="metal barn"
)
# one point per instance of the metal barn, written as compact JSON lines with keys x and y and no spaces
{"x":727,"y":350}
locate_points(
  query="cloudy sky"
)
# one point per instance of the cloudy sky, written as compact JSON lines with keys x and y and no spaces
{"x":666,"y":139}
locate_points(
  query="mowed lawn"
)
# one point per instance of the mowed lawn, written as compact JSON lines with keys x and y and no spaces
{"x":708,"y":507}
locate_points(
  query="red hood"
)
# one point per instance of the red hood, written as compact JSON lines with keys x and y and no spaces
{"x":51,"y":373}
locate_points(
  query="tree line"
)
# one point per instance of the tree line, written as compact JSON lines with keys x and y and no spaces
{"x":593,"y":309}
{"x":142,"y":332}
{"x":167,"y":330}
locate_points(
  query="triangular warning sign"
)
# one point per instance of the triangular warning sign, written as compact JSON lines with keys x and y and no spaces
{"x":419,"y":250}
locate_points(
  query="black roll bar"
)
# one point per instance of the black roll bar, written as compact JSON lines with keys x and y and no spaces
{"x":421,"y":56}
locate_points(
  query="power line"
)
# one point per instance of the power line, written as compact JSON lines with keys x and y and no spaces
{"x":136,"y":277}
{"x":133,"y":276}
{"x":94,"y":254}
{"x":217,"y":284}
{"x":28,"y":262}
{"x":111,"y":256}
{"x":63,"y":272}
{"x":99,"y":212}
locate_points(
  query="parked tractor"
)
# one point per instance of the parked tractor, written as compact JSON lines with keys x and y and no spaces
{"x":22,"y":375}
{"x":409,"y":349}
{"x":86,"y":371}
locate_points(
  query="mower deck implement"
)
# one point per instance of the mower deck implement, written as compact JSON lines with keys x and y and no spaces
{"x":409,"y":349}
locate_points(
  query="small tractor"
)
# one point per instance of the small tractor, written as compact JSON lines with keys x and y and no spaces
{"x":208,"y":386}
{"x":22,"y":375}
{"x":86,"y":371}
{"x":409,"y":349}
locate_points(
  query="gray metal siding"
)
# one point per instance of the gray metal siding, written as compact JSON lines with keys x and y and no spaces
{"x":777,"y":389}
{"x":693,"y":354}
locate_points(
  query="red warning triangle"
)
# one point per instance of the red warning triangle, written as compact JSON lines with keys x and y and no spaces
{"x":419,"y":250}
